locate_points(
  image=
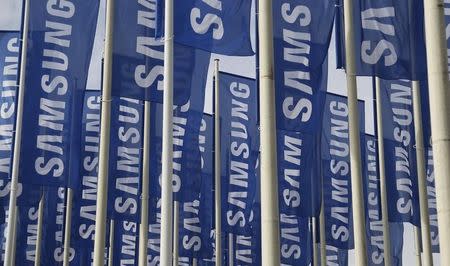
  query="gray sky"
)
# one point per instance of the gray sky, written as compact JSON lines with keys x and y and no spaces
{"x":10,"y":20}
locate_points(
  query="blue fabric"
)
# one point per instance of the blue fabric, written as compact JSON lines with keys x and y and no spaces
{"x":336,"y":171}
{"x":400,"y":154}
{"x":221,"y":27}
{"x":58,"y":56}
{"x":138,"y":57}
{"x":302,"y":31}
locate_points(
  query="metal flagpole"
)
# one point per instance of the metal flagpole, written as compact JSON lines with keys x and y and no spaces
{"x":167,"y":143}
{"x":37,"y":261}
{"x":68,"y":227}
{"x":440,"y":116}
{"x":417,"y":246}
{"x":102,"y":187}
{"x":111,"y":243}
{"x":382,"y":169}
{"x":217,"y":167}
{"x":421,"y":175}
{"x":323,"y":241}
{"x":270,"y":220}
{"x":10,"y":247}
{"x":315,"y":248}
{"x":15,"y":238}
{"x":176,"y":218}
{"x":143,"y":227}
{"x":359,"y":223}
{"x":230,"y":250}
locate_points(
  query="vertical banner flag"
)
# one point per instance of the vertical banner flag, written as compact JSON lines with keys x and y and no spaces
{"x":126,"y":244}
{"x":61,"y":37}
{"x":53,"y":226}
{"x":85,"y":179}
{"x":400,"y":154}
{"x":125,"y":158}
{"x":206,"y":141}
{"x":302,"y":31}
{"x":336,"y":171}
{"x":299,"y":173}
{"x":239,"y":154}
{"x":9,"y":70}
{"x":389,"y":39}
{"x":26,"y":235}
{"x":221,"y":27}
{"x":371,"y":185}
{"x":374,"y":226}
{"x":138,"y":57}
{"x":336,"y":256}
{"x":431,"y":189}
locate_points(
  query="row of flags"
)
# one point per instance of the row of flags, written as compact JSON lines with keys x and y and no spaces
{"x":61,"y":127}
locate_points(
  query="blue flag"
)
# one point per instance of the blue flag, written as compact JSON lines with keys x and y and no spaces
{"x":9,"y":62}
{"x":85,"y":185}
{"x":336,"y":171}
{"x":138,"y":57}
{"x":302,"y":31}
{"x":372,"y":200}
{"x":207,"y":213}
{"x":239,"y":150}
{"x":61,"y":38}
{"x":53,"y":229}
{"x":298,"y":173}
{"x":221,"y":27}
{"x":26,"y":235}
{"x":336,"y":256}
{"x":389,"y":39}
{"x":400,"y":154}
{"x":125,"y":158}
{"x":126,"y":244}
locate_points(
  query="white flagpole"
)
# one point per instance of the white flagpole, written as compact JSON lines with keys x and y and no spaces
{"x":37,"y":261}
{"x":421,"y":175}
{"x":15,"y":238}
{"x":167,"y":143}
{"x":315,"y":248}
{"x":111,"y":243}
{"x":102,"y":187}
{"x":68,"y":227}
{"x":359,"y":223}
{"x":323,"y":241}
{"x":217,"y":167}
{"x":10,"y":247}
{"x":417,"y":246}
{"x":270,"y":220}
{"x":143,"y":227}
{"x":176,"y":217}
{"x":382,"y":173}
{"x":440,"y":116}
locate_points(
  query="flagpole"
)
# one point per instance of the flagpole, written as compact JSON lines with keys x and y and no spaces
{"x":359,"y":226}
{"x":10,"y":247}
{"x":15,"y":238}
{"x":176,"y":218}
{"x":417,"y":245}
{"x":323,"y":241}
{"x":167,"y":142}
{"x":111,"y":243}
{"x":68,"y":227}
{"x":382,"y":173}
{"x":440,"y":116}
{"x":217,"y":167}
{"x":270,"y":220}
{"x":143,"y":227}
{"x":105,"y":123}
{"x":315,"y":249}
{"x":230,"y":250}
{"x":421,"y":175}
{"x":37,"y":261}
